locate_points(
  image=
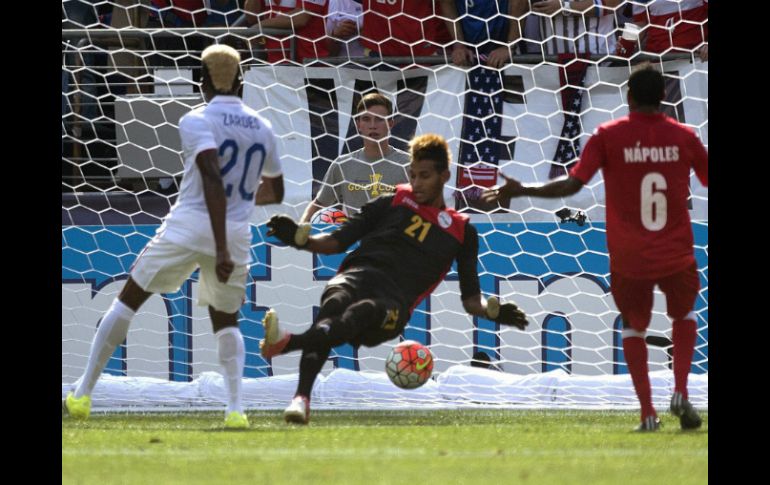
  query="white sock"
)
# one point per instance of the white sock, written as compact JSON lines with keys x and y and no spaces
{"x":232,"y":356}
{"x":111,"y":333}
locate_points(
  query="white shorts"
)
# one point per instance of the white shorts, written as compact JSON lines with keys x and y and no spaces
{"x":162,"y":267}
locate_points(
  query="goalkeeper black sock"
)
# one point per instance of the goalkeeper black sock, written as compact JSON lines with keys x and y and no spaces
{"x":310,"y":365}
{"x":317,"y":337}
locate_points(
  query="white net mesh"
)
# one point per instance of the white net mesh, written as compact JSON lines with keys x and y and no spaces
{"x":123,"y":92}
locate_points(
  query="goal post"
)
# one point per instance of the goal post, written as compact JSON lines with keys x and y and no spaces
{"x":121,"y":161}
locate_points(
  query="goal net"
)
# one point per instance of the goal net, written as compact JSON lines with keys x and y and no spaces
{"x":124,"y":87}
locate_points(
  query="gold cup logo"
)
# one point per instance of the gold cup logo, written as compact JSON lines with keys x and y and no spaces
{"x":374,"y":180}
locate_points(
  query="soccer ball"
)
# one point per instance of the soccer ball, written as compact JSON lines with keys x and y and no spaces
{"x":329,"y":216}
{"x":409,"y":364}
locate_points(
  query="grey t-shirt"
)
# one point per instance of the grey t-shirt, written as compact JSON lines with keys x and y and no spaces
{"x":354,"y":179}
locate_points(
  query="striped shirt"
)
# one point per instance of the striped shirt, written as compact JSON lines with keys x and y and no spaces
{"x":581,"y":34}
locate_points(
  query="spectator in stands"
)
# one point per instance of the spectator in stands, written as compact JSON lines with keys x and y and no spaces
{"x":579,"y":27}
{"x":81,"y":14}
{"x":486,"y":31}
{"x":126,"y":57}
{"x":673,"y":26}
{"x":305,"y":18}
{"x":177,"y":51}
{"x":87,"y":93}
{"x":356,"y":178}
{"x":196,"y":13}
{"x":404,"y":28}
{"x":180,"y":13}
{"x":570,"y":30}
{"x":343,"y":24}
{"x":223,"y":13}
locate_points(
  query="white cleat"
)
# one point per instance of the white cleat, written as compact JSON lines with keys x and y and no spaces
{"x":298,"y":411}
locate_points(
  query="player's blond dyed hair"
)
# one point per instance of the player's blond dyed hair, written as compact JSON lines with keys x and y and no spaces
{"x":431,"y":147}
{"x":223,"y":64}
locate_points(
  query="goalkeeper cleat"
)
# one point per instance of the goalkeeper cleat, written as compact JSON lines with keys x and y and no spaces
{"x":688,"y":416}
{"x":275,"y":339}
{"x":298,"y":410}
{"x":78,"y":408}
{"x":236,"y":420}
{"x":648,"y":424}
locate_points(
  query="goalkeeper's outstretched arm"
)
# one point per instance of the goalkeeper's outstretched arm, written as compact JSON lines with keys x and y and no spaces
{"x":357,"y":226}
{"x":298,"y":236}
{"x":270,"y":191}
{"x":560,"y":187}
{"x":476,"y":306}
{"x":491,"y":309}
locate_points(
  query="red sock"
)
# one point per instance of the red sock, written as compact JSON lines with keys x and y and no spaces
{"x":635,"y":351}
{"x":684,"y":335}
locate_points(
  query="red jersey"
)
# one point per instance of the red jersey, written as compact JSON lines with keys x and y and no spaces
{"x":403,"y":28}
{"x":310,"y":40}
{"x":680,"y":24}
{"x":646,"y":161}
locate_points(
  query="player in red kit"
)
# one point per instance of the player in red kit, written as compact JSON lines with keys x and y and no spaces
{"x":646,"y":159}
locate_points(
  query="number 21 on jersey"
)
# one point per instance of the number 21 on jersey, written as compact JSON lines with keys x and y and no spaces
{"x":418,"y":224}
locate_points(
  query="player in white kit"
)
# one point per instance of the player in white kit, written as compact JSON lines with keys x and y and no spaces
{"x":228,"y":150}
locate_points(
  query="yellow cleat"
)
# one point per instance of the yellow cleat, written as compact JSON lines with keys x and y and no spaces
{"x":78,"y":408}
{"x":236,"y":420}
{"x":275,"y":339}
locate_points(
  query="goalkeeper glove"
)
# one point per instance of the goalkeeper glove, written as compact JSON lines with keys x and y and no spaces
{"x":506,"y":313}
{"x":284,"y":228}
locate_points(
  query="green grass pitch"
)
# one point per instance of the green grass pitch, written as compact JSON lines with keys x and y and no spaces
{"x":383,"y":447}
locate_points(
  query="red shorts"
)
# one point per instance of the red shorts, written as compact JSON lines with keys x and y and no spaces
{"x":634,"y":297}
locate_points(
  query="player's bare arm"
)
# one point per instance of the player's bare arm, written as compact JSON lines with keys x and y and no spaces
{"x":502,"y":55}
{"x":311,"y":209}
{"x":295,"y":20}
{"x":461,"y":54}
{"x":270,"y":191}
{"x":560,"y":187}
{"x":216,"y":202}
